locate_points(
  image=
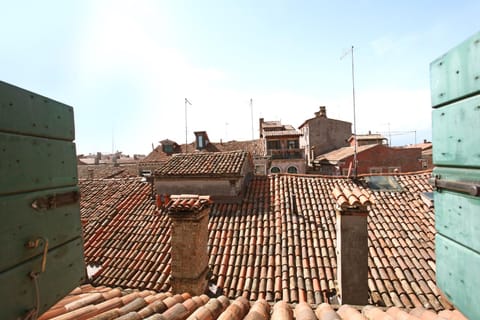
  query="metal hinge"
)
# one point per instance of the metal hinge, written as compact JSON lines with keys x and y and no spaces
{"x":470,"y":188}
{"x":56,"y":200}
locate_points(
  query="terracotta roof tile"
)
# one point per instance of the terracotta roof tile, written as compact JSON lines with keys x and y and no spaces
{"x":277,"y":244}
{"x":187,"y":202}
{"x":152,"y":305}
{"x":254,"y":147}
{"x":203,"y":163}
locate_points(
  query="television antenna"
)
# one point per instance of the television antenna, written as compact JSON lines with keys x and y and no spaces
{"x":186,"y":133}
{"x":355,"y":161}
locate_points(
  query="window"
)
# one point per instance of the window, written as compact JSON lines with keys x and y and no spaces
{"x":292,"y":169}
{"x":375,"y":170}
{"x":383,"y":183}
{"x":200,"y":143}
{"x":424,"y":163}
{"x":168,"y":148}
{"x":275,"y":170}
{"x":273,"y":144}
{"x":260,"y":169}
{"x":292,"y":144}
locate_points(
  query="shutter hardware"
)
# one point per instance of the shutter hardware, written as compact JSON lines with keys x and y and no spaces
{"x":470,"y":188}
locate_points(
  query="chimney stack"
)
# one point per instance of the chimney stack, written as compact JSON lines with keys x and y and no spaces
{"x":322,"y":113}
{"x":352,"y":245}
{"x":189,"y":216}
{"x":261,"y":121}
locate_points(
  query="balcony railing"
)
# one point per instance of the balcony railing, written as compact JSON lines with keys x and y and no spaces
{"x":286,"y":153}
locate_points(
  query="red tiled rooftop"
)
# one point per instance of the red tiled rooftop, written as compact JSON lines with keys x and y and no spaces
{"x":203,"y":164}
{"x":351,"y":197}
{"x":187,"y":203}
{"x":88,"y":302}
{"x":277,"y":244}
{"x":254,"y":147}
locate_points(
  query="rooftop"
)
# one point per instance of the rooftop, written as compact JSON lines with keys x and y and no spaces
{"x":255,"y":147}
{"x":203,"y":164}
{"x":342,"y":153}
{"x":370,"y":136}
{"x":89,"y":302}
{"x":277,"y":244}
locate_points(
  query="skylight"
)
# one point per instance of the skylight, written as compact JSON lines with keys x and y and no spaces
{"x":383,"y":183}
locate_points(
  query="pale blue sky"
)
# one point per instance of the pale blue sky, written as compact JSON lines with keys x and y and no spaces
{"x":126,"y":66}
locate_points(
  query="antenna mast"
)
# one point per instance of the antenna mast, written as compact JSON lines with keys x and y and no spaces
{"x":251,"y":112}
{"x":186,"y":134}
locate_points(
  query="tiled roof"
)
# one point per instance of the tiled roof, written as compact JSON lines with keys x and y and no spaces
{"x":342,"y":153}
{"x":107,"y":171}
{"x":188,"y":203}
{"x":204,"y":164}
{"x":277,"y":244}
{"x":88,"y":302}
{"x":255,"y":147}
{"x":351,"y":197}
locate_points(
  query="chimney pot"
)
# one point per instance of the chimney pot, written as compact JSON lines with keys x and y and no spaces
{"x":322,"y":113}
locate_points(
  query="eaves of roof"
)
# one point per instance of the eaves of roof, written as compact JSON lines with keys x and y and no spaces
{"x":89,"y":302}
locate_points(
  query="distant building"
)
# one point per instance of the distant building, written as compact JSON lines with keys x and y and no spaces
{"x":222,"y":175}
{"x":202,"y":143}
{"x":282,"y":148}
{"x":321,"y":134}
{"x":367,"y":139}
{"x":426,"y":146}
{"x":371,"y":158}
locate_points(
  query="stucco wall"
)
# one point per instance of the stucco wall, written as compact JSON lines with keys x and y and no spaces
{"x":325,"y":135}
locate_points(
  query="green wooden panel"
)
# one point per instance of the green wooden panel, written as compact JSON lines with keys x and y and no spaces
{"x":25,"y":112}
{"x":22,"y":223}
{"x":457,"y":214}
{"x":64,"y":271}
{"x":31,"y":163}
{"x":455,"y":133}
{"x":458,"y":276}
{"x":456,"y":74}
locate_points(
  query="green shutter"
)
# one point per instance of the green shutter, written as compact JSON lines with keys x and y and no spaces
{"x":456,"y":74}
{"x":457,"y":214}
{"x":40,"y":116}
{"x":41,"y":232}
{"x":458,"y":276}
{"x":455,"y":129}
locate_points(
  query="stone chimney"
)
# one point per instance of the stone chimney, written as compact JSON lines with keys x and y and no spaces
{"x":352,"y":245}
{"x":261,"y":121}
{"x":322,"y":113}
{"x":189,"y":216}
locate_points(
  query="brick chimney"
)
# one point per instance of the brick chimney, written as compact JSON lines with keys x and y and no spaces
{"x":352,"y":245}
{"x":189,"y":216}
{"x":322,"y":113}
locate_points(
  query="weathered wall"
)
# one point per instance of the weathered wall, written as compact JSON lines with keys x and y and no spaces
{"x":324,"y":135}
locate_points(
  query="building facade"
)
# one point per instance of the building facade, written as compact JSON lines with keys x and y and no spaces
{"x":374,"y":158}
{"x":282,"y":148}
{"x":321,"y":135}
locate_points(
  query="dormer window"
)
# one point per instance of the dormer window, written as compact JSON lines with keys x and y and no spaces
{"x":201,"y":140}
{"x":168,"y":146}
